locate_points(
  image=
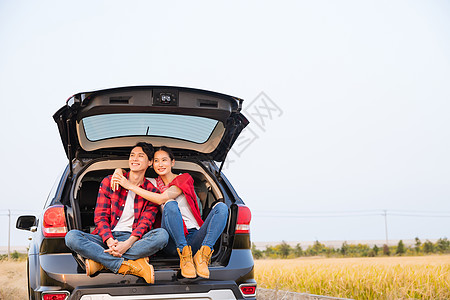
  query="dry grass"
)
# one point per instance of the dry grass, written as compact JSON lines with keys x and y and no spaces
{"x":13,"y":280}
{"x":424,"y":277}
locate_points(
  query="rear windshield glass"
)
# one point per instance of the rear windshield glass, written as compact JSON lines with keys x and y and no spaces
{"x":190,"y":128}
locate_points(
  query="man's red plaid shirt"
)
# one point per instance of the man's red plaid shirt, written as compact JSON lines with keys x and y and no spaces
{"x":110,"y":206}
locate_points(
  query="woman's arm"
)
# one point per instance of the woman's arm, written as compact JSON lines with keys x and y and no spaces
{"x":170,"y":193}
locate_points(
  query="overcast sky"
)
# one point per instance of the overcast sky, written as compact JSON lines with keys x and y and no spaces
{"x":349,"y":102}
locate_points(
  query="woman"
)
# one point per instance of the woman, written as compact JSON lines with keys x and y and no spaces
{"x":181,"y":216}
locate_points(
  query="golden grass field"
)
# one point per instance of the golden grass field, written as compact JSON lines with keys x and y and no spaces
{"x":418,"y":277}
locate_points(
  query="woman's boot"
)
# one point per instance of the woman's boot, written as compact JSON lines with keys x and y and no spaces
{"x":201,"y":261}
{"x":139,"y":267}
{"x":186,"y":263}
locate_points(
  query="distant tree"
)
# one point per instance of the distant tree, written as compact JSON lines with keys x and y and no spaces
{"x":375,"y":249}
{"x":316,"y":249}
{"x":15,"y":255}
{"x":428,"y":247}
{"x":257,"y":254}
{"x":269,"y":251}
{"x":285,"y":249}
{"x":319,"y":247}
{"x":298,"y":251}
{"x":310,"y":251}
{"x":386,"y":250}
{"x":344,"y":248}
{"x":443,"y":245}
{"x":400,"y":248}
{"x":417,"y":245}
{"x":362,"y":250}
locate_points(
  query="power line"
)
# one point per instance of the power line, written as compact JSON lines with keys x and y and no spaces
{"x":418,"y":215}
{"x":357,"y":213}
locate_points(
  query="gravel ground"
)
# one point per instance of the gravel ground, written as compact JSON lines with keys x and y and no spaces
{"x":265,"y":294}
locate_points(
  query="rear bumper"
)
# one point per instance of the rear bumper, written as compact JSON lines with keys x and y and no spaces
{"x":196,"y":290}
{"x":61,"y":272}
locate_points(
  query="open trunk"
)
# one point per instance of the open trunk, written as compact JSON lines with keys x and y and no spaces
{"x":84,"y":196}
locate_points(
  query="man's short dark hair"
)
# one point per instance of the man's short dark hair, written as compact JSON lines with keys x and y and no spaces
{"x":147,"y":148}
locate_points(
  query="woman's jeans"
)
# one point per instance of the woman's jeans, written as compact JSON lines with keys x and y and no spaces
{"x":91,"y":246}
{"x":207,"y":235}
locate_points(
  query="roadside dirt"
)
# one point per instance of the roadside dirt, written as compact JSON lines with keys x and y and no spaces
{"x":13,"y":280}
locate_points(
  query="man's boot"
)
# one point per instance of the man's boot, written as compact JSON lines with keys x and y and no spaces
{"x":93,"y":267}
{"x":139,"y":267}
{"x":186,"y":263}
{"x":201,"y":261}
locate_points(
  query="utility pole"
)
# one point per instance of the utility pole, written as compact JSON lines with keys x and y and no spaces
{"x":9,"y":233}
{"x":385,"y":225}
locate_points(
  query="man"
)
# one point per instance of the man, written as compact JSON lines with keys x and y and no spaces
{"x":120,"y":241}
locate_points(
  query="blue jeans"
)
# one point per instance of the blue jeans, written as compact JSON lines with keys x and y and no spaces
{"x":91,"y":246}
{"x":207,"y":235}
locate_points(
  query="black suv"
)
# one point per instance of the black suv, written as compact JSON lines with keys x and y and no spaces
{"x":98,"y":130}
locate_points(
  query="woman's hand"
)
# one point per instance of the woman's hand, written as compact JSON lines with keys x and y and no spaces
{"x":119,"y":179}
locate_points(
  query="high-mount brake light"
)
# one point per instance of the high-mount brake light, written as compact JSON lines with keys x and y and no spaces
{"x":248,"y":290}
{"x":243,"y":220}
{"x":54,"y":224}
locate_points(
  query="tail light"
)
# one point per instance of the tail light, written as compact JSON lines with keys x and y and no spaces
{"x":54,"y":224}
{"x":60,"y":295}
{"x":248,"y":290}
{"x":243,"y":220}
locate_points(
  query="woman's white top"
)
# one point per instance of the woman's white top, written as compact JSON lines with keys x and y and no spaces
{"x":185,"y":209}
{"x":126,"y":220}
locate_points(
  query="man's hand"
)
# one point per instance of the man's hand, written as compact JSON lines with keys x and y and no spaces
{"x":119,"y":248}
{"x":111,"y":243}
{"x":115,"y":183}
{"x":113,"y":252}
{"x":122,"y":247}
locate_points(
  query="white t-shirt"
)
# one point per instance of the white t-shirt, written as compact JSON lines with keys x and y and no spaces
{"x":127,"y":218}
{"x":185,"y":209}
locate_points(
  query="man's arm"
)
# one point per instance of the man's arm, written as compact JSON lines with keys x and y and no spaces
{"x":102,"y":213}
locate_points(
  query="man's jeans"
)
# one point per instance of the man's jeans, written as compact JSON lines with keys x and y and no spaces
{"x":207,"y":235}
{"x":91,"y":246}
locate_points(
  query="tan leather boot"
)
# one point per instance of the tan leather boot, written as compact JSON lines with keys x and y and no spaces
{"x":139,"y":267}
{"x":93,"y":267}
{"x":186,"y":264}
{"x":201,"y":261}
